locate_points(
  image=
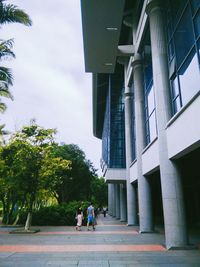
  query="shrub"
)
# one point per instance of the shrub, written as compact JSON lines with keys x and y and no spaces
{"x":54,"y":215}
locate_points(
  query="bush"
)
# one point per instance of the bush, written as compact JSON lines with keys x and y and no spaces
{"x":54,"y":215}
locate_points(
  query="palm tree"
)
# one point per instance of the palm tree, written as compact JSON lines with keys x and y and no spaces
{"x":3,"y":133}
{"x":9,"y":14}
{"x":5,"y":73}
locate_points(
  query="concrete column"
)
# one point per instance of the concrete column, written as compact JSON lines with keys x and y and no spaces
{"x":110,"y":199}
{"x":122,"y":203}
{"x":144,"y":189}
{"x":113,"y":201}
{"x":172,"y":196}
{"x":131,"y":191}
{"x":117,"y":193}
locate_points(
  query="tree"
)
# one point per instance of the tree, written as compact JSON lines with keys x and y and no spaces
{"x":3,"y":132}
{"x":53,"y":170}
{"x":28,"y":167}
{"x":76,"y":183}
{"x":21,"y":160}
{"x":31,"y":143}
{"x":9,"y":14}
{"x":5,"y":73}
{"x":99,"y":191}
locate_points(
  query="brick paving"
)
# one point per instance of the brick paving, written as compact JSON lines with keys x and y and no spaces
{"x":112,"y":244}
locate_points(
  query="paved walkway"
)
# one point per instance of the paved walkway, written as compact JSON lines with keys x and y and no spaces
{"x":112,"y":244}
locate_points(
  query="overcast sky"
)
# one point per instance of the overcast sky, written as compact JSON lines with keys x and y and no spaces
{"x":50,"y":83}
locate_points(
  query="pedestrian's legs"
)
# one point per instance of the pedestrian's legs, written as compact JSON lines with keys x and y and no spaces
{"x":93,"y":223}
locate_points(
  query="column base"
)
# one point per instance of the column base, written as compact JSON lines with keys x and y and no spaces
{"x":148,"y":232}
{"x":187,"y":247}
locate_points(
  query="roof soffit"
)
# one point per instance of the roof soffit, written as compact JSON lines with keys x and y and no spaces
{"x":101,"y":21}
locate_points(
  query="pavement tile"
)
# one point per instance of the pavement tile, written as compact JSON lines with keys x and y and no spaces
{"x":113,"y":244}
{"x":76,"y":248}
{"x":93,"y":263}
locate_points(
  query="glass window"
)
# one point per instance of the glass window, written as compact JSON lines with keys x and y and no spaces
{"x":151,"y":130}
{"x":185,"y":72}
{"x":176,"y":95}
{"x":184,"y":37}
{"x":197,"y":24}
{"x":152,"y":126}
{"x":177,"y":7}
{"x":175,"y":88}
{"x":147,"y":132}
{"x":176,"y":104}
{"x":151,"y":102}
{"x":189,"y":77}
{"x":133,"y":133}
{"x":148,"y":76}
{"x":117,"y":126}
{"x":106,"y":134}
{"x":171,"y":50}
{"x":198,"y":47}
{"x":195,"y":5}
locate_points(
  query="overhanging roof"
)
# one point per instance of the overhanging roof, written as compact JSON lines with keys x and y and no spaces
{"x":101,"y":22}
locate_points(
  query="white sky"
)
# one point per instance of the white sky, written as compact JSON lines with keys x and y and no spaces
{"x":50,"y":83}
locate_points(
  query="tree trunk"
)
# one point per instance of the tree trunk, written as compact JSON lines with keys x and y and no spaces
{"x":16,"y":219}
{"x":19,"y":211}
{"x":5,"y":202}
{"x":29,"y":216}
{"x":28,"y":222}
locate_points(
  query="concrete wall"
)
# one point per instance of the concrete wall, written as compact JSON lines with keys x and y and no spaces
{"x":115,"y":175}
{"x":133,"y":172}
{"x":150,"y":160}
{"x":184,"y":131}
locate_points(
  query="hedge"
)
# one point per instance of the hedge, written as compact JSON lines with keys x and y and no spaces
{"x":55,"y":215}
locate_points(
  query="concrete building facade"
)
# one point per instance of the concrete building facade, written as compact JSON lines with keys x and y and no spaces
{"x":144,"y":56}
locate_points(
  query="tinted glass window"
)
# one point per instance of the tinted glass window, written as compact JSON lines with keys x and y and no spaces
{"x":151,"y":102}
{"x":195,"y":5}
{"x":175,"y":88}
{"x":189,"y":77}
{"x":184,"y":64}
{"x":184,"y":37}
{"x":152,"y":126}
{"x":177,"y":7}
{"x":197,"y":24}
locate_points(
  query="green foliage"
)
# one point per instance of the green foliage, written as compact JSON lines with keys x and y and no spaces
{"x":53,"y":215}
{"x":10,"y":13}
{"x":75,"y":185}
{"x":6,"y":49}
{"x":24,"y":161}
{"x":34,"y":171}
{"x":99,"y":191}
{"x":5,"y":81}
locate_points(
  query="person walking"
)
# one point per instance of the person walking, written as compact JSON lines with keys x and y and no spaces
{"x":79,"y":217}
{"x":104,"y":211}
{"x":91,"y":216}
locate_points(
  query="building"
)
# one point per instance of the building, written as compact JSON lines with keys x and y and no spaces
{"x":145,"y":60}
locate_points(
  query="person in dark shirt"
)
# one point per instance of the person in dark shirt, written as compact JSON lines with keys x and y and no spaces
{"x":91,"y":216}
